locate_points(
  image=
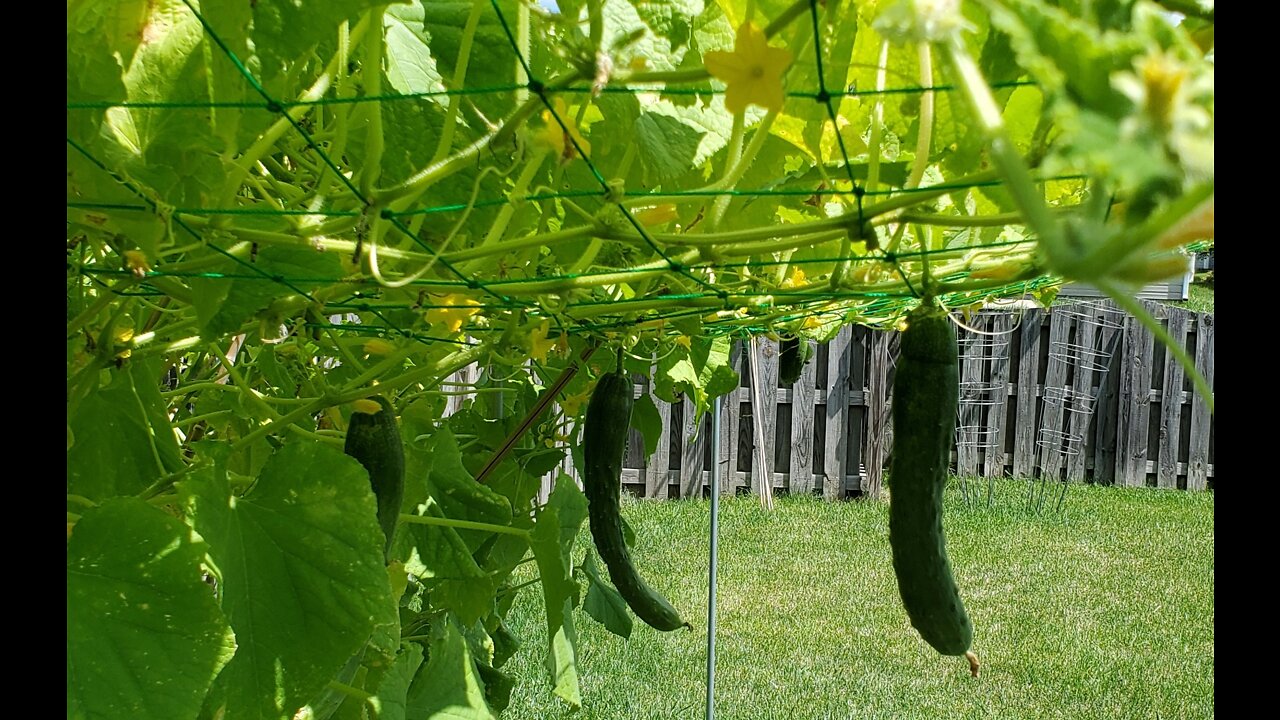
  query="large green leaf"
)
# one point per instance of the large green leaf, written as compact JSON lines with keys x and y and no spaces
{"x":438,"y":485}
{"x":145,"y":637}
{"x":703,"y":372}
{"x":285,"y":30}
{"x":393,"y":691}
{"x":224,"y":305}
{"x":440,"y":559}
{"x":457,"y":494}
{"x":409,"y":65}
{"x":448,"y":686}
{"x":645,"y":419}
{"x":303,"y":575}
{"x":123,"y":440}
{"x":492,"y":60}
{"x":668,"y":146}
{"x":603,"y":601}
{"x":553,"y":536}
{"x":127,"y":50}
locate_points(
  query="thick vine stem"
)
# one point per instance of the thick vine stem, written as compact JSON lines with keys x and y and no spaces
{"x":372,"y":63}
{"x":1016,"y":173}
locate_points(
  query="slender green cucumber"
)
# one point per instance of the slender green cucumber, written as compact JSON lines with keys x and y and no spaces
{"x":604,"y":437}
{"x":926,"y":394}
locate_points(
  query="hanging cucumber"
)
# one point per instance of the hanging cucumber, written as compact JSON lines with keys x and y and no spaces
{"x":926,"y":393}
{"x":373,"y":438}
{"x":604,"y":438}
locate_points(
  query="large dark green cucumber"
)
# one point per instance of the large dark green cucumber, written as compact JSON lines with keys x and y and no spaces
{"x":374,"y":440}
{"x":604,"y":438}
{"x":926,"y":393}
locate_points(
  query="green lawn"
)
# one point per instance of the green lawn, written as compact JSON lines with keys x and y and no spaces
{"x":1199,"y":298}
{"x":1103,"y":612}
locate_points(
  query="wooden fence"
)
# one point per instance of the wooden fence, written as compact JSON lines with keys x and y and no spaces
{"x":1082,"y":393}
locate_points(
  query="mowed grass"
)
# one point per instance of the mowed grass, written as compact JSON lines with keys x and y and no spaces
{"x":1104,"y":611}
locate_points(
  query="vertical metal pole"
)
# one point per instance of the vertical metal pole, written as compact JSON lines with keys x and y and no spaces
{"x":711,"y":576}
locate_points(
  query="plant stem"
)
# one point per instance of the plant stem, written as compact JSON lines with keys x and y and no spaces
{"x":924,"y":138}
{"x":463,"y":525}
{"x":877,"y":118}
{"x":371,"y":74}
{"x":459,"y":80}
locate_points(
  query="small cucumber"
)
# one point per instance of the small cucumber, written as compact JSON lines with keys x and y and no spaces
{"x":604,"y":438}
{"x":926,"y":393}
{"x":373,"y":438}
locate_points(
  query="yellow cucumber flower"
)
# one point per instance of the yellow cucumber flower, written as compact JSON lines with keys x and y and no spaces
{"x":378,"y":346}
{"x":456,"y":310}
{"x":752,"y":72}
{"x":539,"y":345}
{"x":572,"y":403}
{"x":552,"y":136}
{"x":796,"y":279}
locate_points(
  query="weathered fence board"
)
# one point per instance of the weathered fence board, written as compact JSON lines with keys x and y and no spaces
{"x":1051,"y":438}
{"x":1171,"y":408}
{"x":730,"y":419}
{"x":764,"y":433}
{"x":836,"y":450}
{"x":1024,"y":438}
{"x":1079,"y":409}
{"x":878,"y":434}
{"x":1198,"y":453}
{"x":1108,"y":403}
{"x":972,"y":394}
{"x":997,"y":415}
{"x":1135,"y":400}
{"x":803,"y":402}
{"x":656,"y":481}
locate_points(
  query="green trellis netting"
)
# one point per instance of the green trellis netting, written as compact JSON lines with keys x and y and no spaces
{"x":578,"y":164}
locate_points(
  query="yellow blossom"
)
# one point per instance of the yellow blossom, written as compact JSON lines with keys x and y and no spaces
{"x":752,"y":72}
{"x":684,"y":342}
{"x":378,"y":346}
{"x":572,"y":403}
{"x":538,"y":343}
{"x":136,"y":261}
{"x":656,"y":215}
{"x":796,"y":279}
{"x":553,"y":136}
{"x":454,"y":311}
{"x":812,"y":323}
